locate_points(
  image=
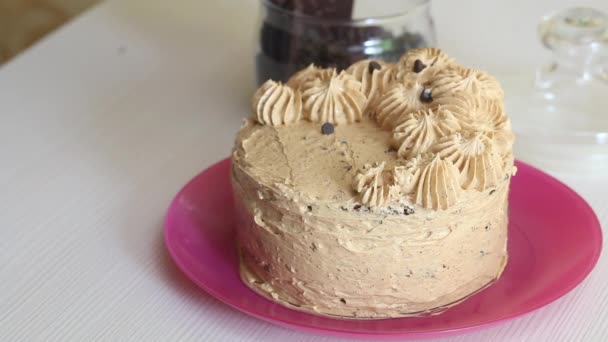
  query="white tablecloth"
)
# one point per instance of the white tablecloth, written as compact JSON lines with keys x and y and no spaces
{"x":102,"y":122}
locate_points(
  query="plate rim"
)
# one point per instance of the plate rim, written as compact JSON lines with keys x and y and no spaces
{"x":594,"y":222}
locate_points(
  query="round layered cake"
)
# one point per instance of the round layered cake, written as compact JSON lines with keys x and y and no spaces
{"x":375,"y":192}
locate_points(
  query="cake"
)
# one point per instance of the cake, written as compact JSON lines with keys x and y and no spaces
{"x":378,"y":191}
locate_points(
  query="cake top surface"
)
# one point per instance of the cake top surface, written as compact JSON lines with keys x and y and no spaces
{"x":420,"y":132}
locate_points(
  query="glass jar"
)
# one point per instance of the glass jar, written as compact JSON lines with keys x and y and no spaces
{"x":295,"y":33}
{"x":559,"y":114}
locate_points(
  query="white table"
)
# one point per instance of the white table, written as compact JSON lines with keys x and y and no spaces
{"x":100,"y":125}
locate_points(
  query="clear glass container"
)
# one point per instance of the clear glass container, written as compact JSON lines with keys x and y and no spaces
{"x":295,"y":33}
{"x":560,"y":114}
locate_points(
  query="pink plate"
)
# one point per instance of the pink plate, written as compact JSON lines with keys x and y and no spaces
{"x":554,"y":242}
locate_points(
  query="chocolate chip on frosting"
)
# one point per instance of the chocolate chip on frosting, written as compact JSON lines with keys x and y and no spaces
{"x":373,"y":65}
{"x":418,"y":66}
{"x":408,"y":211}
{"x":426,"y":95}
{"x":327,"y":128}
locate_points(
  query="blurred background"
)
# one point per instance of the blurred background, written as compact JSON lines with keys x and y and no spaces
{"x":23,"y":22}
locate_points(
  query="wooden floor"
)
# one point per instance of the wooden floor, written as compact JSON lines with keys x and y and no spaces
{"x":23,"y":22}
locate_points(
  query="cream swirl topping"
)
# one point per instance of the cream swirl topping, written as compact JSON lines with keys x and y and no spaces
{"x":478,"y":115}
{"x":438,"y":186}
{"x":309,"y":73}
{"x":373,"y":75}
{"x":419,"y":131}
{"x":407,"y":176}
{"x":463,"y":80}
{"x":437,"y":99}
{"x":334,"y":98}
{"x":388,"y":76}
{"x":503,"y":139}
{"x":275,"y":104}
{"x":400,"y":99}
{"x":422,"y":63}
{"x":373,"y":183}
{"x":480,"y":166}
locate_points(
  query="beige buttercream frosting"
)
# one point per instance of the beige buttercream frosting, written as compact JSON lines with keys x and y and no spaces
{"x":407,"y":176}
{"x":404,"y":98}
{"x":419,"y":131}
{"x":275,"y":104}
{"x":374,"y":185}
{"x":375,"y":76}
{"x":480,"y":165}
{"x":485,"y":115}
{"x":431,"y":60}
{"x":398,"y":100}
{"x":503,"y":139}
{"x":307,"y":240}
{"x":309,"y":73}
{"x":469,"y":81}
{"x":332,"y":97}
{"x":388,"y":77}
{"x":401,"y":210}
{"x":439,"y":186}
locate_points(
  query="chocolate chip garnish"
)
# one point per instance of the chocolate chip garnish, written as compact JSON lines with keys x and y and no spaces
{"x":309,"y":208}
{"x":357,"y":207}
{"x":426,"y":96}
{"x":327,"y":128}
{"x":408,"y":211}
{"x":418,"y":66}
{"x":343,"y":300}
{"x":491,"y":192}
{"x":373,"y":65}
